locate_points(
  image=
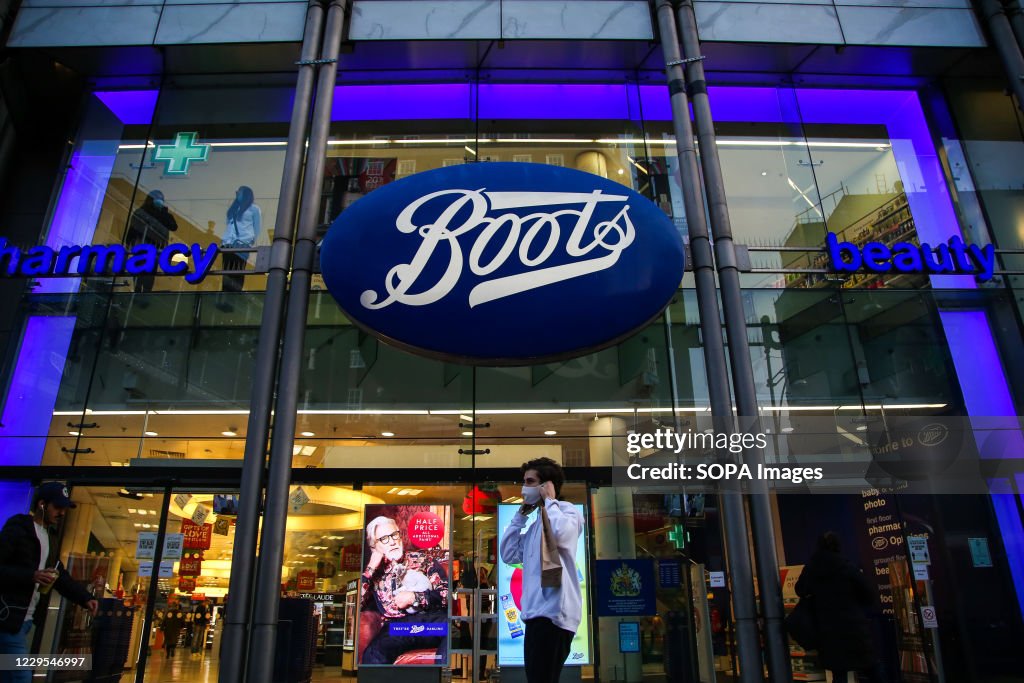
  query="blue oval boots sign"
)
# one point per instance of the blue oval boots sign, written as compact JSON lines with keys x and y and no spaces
{"x":502,"y":263}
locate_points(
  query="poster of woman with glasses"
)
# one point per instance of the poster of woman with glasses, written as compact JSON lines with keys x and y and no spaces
{"x":404,"y":590}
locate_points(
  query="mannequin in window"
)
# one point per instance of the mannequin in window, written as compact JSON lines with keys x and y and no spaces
{"x":244,"y":223}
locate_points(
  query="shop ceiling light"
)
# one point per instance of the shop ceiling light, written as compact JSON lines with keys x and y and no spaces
{"x":529,"y":411}
{"x":387,"y":433}
{"x":230,"y":432}
{"x":75,"y":433}
{"x":363,"y":412}
{"x":550,"y":432}
{"x":308,"y":434}
{"x":410,"y":492}
{"x":467,"y":433}
{"x":151,"y":433}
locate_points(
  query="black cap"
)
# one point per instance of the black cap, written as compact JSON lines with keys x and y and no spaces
{"x":54,"y":492}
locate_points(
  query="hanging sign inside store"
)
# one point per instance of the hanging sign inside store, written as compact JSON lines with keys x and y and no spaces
{"x":350,"y":557}
{"x":187,"y":584}
{"x":502,"y":263}
{"x":200,"y":514}
{"x":954,"y":258}
{"x":193,"y":261}
{"x":298,"y":499}
{"x":197,"y":536}
{"x":306,"y":580}
{"x":190,"y":565}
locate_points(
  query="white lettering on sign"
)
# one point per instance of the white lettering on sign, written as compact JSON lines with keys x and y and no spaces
{"x":532,"y":238}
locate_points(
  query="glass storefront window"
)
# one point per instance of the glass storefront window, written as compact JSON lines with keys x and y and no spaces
{"x":126,"y":378}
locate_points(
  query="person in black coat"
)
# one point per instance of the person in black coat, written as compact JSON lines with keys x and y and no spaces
{"x":841,"y":594}
{"x":26,"y":566}
{"x":151,"y":223}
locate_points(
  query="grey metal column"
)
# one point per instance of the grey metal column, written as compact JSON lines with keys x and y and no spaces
{"x":268,"y":574}
{"x":1015,"y":13}
{"x":733,"y":518}
{"x":236,"y":619}
{"x":1006,"y":45}
{"x":776,"y":644}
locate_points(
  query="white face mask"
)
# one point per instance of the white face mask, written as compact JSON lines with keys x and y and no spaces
{"x":531,"y":495}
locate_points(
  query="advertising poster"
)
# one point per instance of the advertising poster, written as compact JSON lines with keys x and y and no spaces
{"x":625,"y":588}
{"x":404,"y":600}
{"x":510,"y":592}
{"x":197,"y":536}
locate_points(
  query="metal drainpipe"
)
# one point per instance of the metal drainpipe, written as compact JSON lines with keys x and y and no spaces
{"x":1006,"y":45}
{"x":1015,"y":14}
{"x":776,"y":644}
{"x":236,"y":618}
{"x":262,"y":643}
{"x":734,"y":521}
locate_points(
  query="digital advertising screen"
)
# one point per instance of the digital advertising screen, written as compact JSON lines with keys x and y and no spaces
{"x":405,"y":587}
{"x":511,"y":629}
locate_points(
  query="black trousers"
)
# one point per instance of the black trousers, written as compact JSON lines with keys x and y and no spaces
{"x":545,"y":648}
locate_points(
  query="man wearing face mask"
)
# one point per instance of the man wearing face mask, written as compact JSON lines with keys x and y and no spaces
{"x":28,"y":570}
{"x":552,"y":602}
{"x":152,"y":223}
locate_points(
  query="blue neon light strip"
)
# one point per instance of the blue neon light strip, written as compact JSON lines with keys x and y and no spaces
{"x":32,"y":393}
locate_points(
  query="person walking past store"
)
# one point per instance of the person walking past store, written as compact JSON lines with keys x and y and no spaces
{"x":28,"y":570}
{"x":841,"y":594}
{"x":552,"y":601}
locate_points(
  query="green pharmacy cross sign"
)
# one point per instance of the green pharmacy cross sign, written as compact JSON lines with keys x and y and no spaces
{"x":181,"y":154}
{"x":677,"y":535}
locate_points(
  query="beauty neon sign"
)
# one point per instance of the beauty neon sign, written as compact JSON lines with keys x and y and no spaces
{"x":952,"y":258}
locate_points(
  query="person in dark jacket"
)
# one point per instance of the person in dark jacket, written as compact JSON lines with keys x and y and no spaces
{"x":172,"y":632}
{"x":152,"y":223}
{"x":28,"y":569}
{"x":841,"y":594}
